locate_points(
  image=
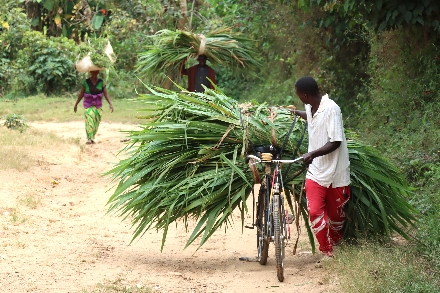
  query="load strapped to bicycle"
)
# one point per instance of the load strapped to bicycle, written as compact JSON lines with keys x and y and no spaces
{"x":270,"y":216}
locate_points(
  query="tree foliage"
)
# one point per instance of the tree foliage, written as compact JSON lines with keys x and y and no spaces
{"x":377,"y":14}
{"x":51,"y":61}
{"x":68,"y":18}
{"x":13,"y":25}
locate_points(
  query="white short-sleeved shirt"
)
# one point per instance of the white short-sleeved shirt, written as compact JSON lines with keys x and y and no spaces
{"x":326,"y":125}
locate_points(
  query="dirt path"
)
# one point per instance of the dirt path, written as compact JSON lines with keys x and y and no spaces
{"x":67,"y":243}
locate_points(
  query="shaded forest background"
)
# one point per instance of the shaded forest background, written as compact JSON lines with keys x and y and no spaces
{"x":379,"y":60}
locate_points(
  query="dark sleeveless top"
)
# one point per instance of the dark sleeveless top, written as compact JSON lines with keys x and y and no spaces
{"x":93,"y":93}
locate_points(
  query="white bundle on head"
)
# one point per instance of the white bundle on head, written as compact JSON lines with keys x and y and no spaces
{"x":86,"y":64}
{"x":202,"y":45}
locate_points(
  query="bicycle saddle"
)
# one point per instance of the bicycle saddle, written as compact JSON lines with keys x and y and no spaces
{"x":267,"y":149}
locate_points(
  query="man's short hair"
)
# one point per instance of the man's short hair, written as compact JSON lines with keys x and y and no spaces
{"x":307,"y":85}
{"x":202,"y":57}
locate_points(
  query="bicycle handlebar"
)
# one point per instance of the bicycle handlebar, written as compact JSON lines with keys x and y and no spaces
{"x":273,"y":161}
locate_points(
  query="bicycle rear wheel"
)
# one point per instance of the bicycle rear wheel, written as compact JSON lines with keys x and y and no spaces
{"x":278,"y":237}
{"x":262,"y":241}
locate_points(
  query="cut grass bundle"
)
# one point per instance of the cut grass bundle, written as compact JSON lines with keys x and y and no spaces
{"x":100,"y":52}
{"x":171,"y":48}
{"x":188,"y":163}
{"x":379,"y":203}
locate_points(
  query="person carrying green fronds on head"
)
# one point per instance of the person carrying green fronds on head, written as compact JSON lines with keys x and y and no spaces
{"x":199,"y":75}
{"x":92,"y":91}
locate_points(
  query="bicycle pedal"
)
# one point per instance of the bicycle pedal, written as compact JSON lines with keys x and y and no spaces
{"x":249,"y":227}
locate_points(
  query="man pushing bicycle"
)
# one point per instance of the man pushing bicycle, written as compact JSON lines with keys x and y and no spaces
{"x":328,"y":176}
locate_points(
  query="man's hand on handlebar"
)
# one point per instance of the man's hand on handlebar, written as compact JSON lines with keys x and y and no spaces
{"x":273,"y":160}
{"x":307,"y":158}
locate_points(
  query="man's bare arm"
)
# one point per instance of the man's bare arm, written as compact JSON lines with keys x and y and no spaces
{"x":301,"y":114}
{"x":324,"y":150}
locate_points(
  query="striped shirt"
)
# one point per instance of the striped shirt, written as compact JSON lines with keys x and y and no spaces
{"x":326,"y":125}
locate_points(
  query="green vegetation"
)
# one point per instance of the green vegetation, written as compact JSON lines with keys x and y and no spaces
{"x":188,"y":162}
{"x":17,"y":218}
{"x":20,"y":158}
{"x":42,"y":108}
{"x":371,"y":267}
{"x":29,"y":200}
{"x":15,"y":121}
{"x":50,"y":62}
{"x":376,"y":14}
{"x":379,"y":60}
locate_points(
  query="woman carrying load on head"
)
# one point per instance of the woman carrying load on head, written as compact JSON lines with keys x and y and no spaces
{"x":92,"y":91}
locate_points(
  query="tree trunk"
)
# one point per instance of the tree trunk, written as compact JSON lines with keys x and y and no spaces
{"x":181,"y":23}
{"x":33,"y":11}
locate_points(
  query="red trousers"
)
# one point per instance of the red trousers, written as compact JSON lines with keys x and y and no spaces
{"x":326,"y":213}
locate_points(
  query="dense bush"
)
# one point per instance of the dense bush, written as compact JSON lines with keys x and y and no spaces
{"x":399,"y":115}
{"x":16,"y":122}
{"x":13,"y":24}
{"x":51,"y":61}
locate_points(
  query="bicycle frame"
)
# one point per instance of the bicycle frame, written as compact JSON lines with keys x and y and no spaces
{"x":271,"y":222}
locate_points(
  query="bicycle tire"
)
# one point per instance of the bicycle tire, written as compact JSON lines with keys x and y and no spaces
{"x":278,"y":237}
{"x":262,"y":241}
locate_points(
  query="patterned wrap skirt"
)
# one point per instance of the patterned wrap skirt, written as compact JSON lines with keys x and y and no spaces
{"x":93,"y":118}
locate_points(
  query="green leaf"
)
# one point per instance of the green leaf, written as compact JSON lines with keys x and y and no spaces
{"x":328,"y":21}
{"x":346,"y":5}
{"x":35,"y":21}
{"x":418,"y":10}
{"x":48,"y":4}
{"x":64,"y":31}
{"x":70,"y":30}
{"x":303,"y":4}
{"x":408,"y":16}
{"x":97,"y":21}
{"x":388,"y":16}
{"x":379,"y":4}
{"x":382,"y":26}
{"x":236,"y":169}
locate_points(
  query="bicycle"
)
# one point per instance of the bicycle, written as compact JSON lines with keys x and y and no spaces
{"x":271,"y":220}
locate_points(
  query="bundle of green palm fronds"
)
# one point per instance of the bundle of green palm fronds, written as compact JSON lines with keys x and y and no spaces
{"x":188,"y":162}
{"x":170,"y":49}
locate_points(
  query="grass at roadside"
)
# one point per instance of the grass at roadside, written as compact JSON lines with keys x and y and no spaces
{"x":16,"y":147}
{"x":377,"y":268}
{"x":411,"y":141}
{"x":60,"y":109}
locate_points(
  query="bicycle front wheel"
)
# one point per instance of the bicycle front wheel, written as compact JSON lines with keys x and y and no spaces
{"x":262,"y":240}
{"x":278,"y":237}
